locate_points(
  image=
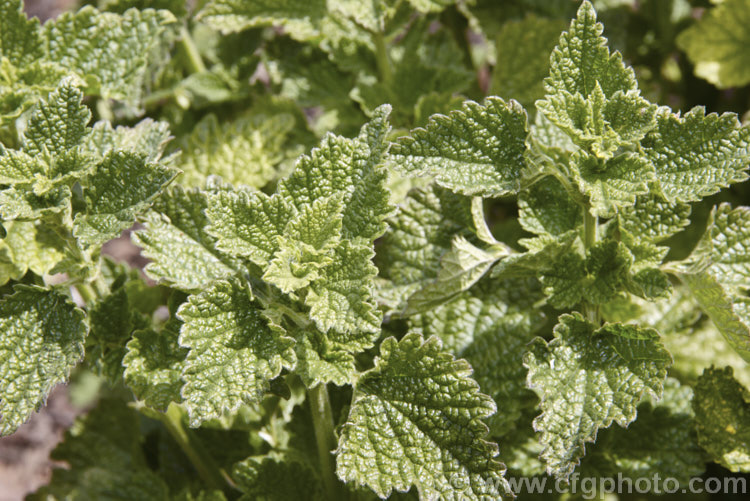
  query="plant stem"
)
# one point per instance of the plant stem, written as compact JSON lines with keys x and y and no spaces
{"x":191,"y":51}
{"x":589,"y":229}
{"x":589,"y":239}
{"x":204,"y":464}
{"x":87,"y":292}
{"x":381,"y":57}
{"x":325,"y":437}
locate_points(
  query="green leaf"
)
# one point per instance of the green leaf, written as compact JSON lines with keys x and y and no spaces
{"x":153,"y":365}
{"x":58,"y":124}
{"x":123,"y":185}
{"x":105,"y":453}
{"x":321,"y":360}
{"x":306,"y":245}
{"x":478,"y":150}
{"x":611,"y":184}
{"x":545,"y":208}
{"x":460,"y":268}
{"x":418,"y":235}
{"x":353,"y":168}
{"x":591,"y":94}
{"x":477,"y":311}
{"x":496,"y":354}
{"x":298,"y":17}
{"x":147,"y":138}
{"x":653,"y":219}
{"x":109,"y":51}
{"x":234,"y":351}
{"x":722,"y":415}
{"x":717,"y":44}
{"x":20,"y":38}
{"x":245,"y":151}
{"x":402,"y":432}
{"x":248,"y":224}
{"x":570,"y":279}
{"x":661,"y":441}
{"x":181,"y":251}
{"x":586,"y":379}
{"x":523,"y":56}
{"x":28,"y":245}
{"x":581,"y":61}
{"x":272,"y":480}
{"x":341,"y":299}
{"x":696,"y":155}
{"x":729,"y":316}
{"x":112,"y":322}
{"x":724,"y":249}
{"x":43,"y":335}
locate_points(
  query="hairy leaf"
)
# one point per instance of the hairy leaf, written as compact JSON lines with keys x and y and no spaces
{"x":416,"y":420}
{"x":42,"y":340}
{"x":587,"y":378}
{"x":478,"y":150}
{"x":123,"y":185}
{"x":182,"y":252}
{"x":153,"y":365}
{"x":234,"y":351}
{"x":697,"y":154}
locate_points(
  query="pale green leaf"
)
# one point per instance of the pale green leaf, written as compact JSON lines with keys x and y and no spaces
{"x":147,"y":138}
{"x":341,"y":299}
{"x":58,"y":124}
{"x":111,"y":52}
{"x":545,"y":208}
{"x":653,"y":219}
{"x":320,"y":361}
{"x":28,"y":245}
{"x":245,"y":151}
{"x":42,"y":340}
{"x":724,"y":250}
{"x":416,"y":420}
{"x":478,"y":150}
{"x":697,"y":154}
{"x":611,"y":184}
{"x":234,"y":351}
{"x":352,"y":167}
{"x":591,"y":94}
{"x":306,"y":245}
{"x":722,"y":415}
{"x":588,"y":377}
{"x":298,"y":17}
{"x":20,"y":38}
{"x":728,"y":315}
{"x":182,"y":253}
{"x":123,"y":185}
{"x":247,"y":224}
{"x":460,"y":268}
{"x":153,"y":365}
{"x":717,"y":44}
{"x":581,"y":61}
